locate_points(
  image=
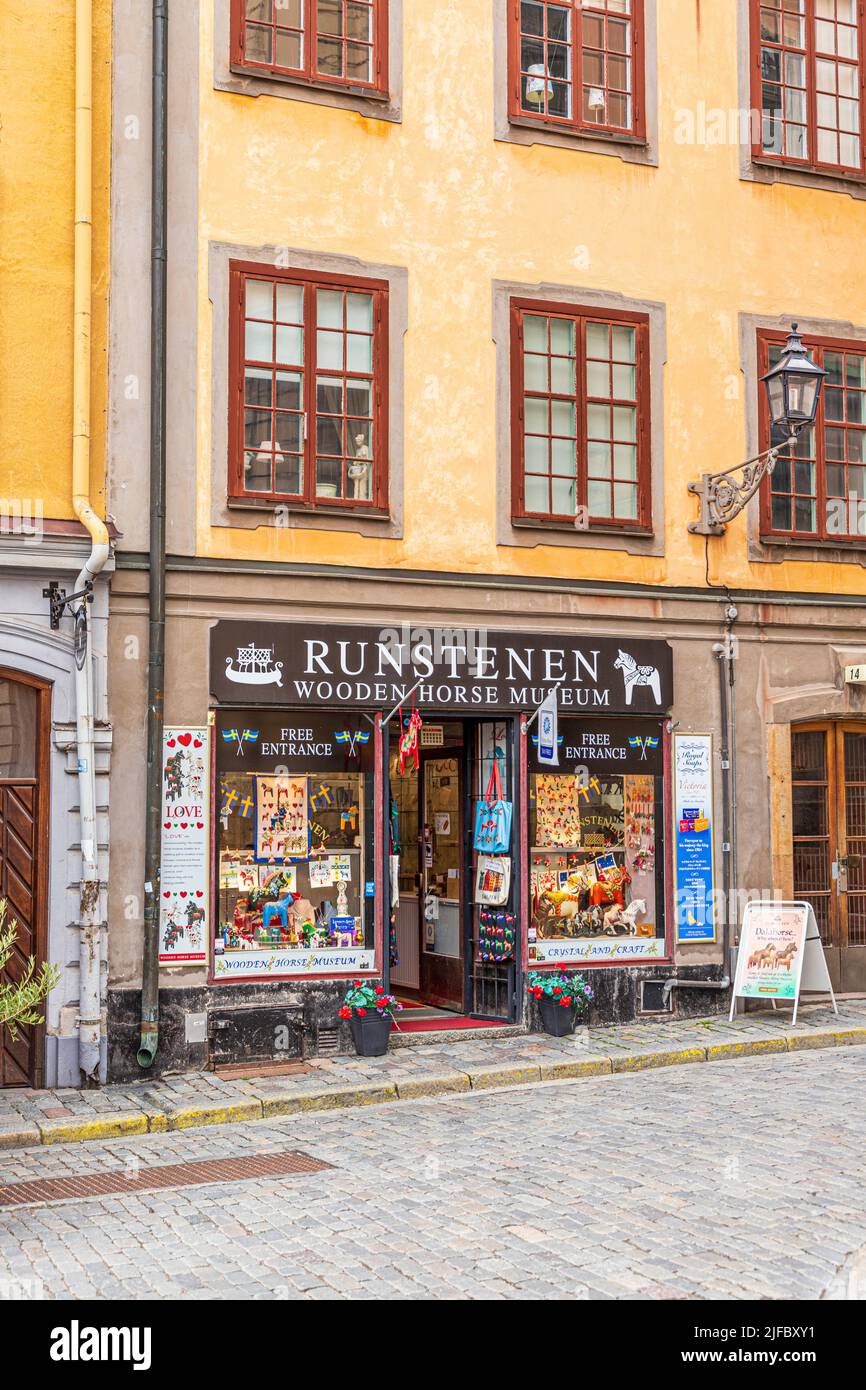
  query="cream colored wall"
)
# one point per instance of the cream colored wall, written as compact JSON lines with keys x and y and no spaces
{"x":437,"y":194}
{"x":37,"y":109}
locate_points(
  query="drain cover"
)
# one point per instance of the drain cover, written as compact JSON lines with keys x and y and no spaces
{"x":144,"y":1179}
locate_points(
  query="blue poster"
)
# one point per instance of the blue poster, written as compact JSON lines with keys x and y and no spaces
{"x":693,"y":837}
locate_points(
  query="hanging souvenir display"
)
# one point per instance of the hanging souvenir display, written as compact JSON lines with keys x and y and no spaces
{"x":493,"y":816}
{"x":492,"y":879}
{"x":282,"y":819}
{"x":409,"y":741}
{"x":557,"y":811}
{"x":497,"y":933}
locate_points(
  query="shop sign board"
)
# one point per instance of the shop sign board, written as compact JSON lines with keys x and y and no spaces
{"x":184,"y":897}
{"x":780,"y":954}
{"x":548,"y":731}
{"x":459,"y":670}
{"x":693,"y":837}
{"x":247,"y":964}
{"x":573,"y":952}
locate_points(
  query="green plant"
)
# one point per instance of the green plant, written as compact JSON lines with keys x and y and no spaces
{"x":564,"y":987}
{"x":19,"y":998}
{"x":365,"y":997}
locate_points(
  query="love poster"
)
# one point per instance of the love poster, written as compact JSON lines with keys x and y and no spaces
{"x":184,"y":907}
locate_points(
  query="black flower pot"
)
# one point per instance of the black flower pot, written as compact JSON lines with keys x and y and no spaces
{"x":370,"y":1034}
{"x":556,"y":1020}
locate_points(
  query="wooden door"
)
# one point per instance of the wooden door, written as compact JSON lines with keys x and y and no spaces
{"x":829,"y":833}
{"x":24,"y":735}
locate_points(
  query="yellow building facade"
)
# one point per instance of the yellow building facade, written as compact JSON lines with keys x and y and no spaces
{"x":683,"y":186}
{"x":54,"y":735}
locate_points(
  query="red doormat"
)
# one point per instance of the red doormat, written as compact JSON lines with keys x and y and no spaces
{"x":444,"y":1025}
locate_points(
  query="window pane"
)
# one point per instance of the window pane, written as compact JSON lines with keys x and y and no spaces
{"x":599,"y":499}
{"x":534,"y":333}
{"x":537,"y":494}
{"x":258,"y":342}
{"x":329,"y":308}
{"x":258,"y":44}
{"x":359,"y":312}
{"x":329,"y":350}
{"x":563,"y":458}
{"x":562,"y":418}
{"x":288,"y":50}
{"x":562,"y":337}
{"x":329,"y":395}
{"x":290,"y":304}
{"x":598,"y":379}
{"x":536,"y":415}
{"x":359,"y":353}
{"x":330,"y":16}
{"x":288,"y":390}
{"x":290,"y":344}
{"x":597,"y":340}
{"x":258,"y":385}
{"x":259,"y":299}
{"x":536,"y":454}
{"x":564,"y":498}
{"x":535,"y":372}
{"x":598,"y":459}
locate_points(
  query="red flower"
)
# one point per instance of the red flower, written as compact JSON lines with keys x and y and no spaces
{"x":565,"y":1001}
{"x":362,"y":1013}
{"x":345,"y":1012}
{"x":557,"y":989}
{"x":380,"y":989}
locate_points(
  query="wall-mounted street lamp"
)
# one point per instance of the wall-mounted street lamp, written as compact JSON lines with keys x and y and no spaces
{"x":793,"y":392}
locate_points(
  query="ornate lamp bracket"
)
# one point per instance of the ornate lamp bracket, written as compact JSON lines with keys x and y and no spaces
{"x":724,"y":495}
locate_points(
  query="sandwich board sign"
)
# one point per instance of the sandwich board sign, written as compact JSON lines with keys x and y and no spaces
{"x":780,"y":955}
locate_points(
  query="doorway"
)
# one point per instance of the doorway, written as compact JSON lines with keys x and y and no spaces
{"x":439,"y":977}
{"x":25,"y":713}
{"x":828,"y":766}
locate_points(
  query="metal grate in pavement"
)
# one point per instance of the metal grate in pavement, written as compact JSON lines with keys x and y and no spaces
{"x":151,"y":1179}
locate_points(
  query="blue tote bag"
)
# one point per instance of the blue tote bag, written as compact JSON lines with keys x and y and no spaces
{"x":493,"y":817}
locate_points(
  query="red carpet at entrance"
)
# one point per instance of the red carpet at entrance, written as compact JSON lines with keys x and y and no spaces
{"x":443,"y":1023}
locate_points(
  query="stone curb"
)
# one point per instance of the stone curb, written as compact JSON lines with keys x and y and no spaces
{"x":153,"y":1121}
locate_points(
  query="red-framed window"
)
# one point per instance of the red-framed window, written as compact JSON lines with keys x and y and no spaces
{"x":817,"y":489}
{"x":308,"y":397}
{"x":578,"y":65}
{"x":340,"y":43}
{"x":580,"y":416}
{"x":808,"y":83}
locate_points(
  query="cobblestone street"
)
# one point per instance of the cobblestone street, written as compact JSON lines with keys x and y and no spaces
{"x":737,"y":1180}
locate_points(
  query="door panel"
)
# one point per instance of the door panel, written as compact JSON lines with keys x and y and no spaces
{"x":24,"y":726}
{"x":813,"y":827}
{"x":442,"y":875}
{"x":829,"y":839}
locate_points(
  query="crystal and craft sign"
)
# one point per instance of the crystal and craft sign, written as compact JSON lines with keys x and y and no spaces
{"x":693,"y":836}
{"x":629,"y":949}
{"x":184,"y":896}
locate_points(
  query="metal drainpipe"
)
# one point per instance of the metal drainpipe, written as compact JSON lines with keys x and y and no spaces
{"x":725,"y":657}
{"x":89,"y":986}
{"x":156,"y":658}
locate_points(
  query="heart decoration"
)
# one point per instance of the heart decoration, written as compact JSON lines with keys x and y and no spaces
{"x":196,"y":743}
{"x":185,"y":739}
{"x":199,"y":825}
{"x":199,"y":893}
{"x":182,"y":893}
{"x":170,"y":743}
{"x":166,"y":894}
{"x":167,"y":824}
{"x":183,"y":824}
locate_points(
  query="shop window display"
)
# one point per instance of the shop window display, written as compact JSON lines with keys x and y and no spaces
{"x":596,"y":855}
{"x":295,"y":870}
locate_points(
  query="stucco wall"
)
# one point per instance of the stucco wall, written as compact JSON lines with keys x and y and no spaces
{"x":37,"y":110}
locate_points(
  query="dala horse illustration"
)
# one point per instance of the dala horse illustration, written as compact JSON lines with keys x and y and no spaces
{"x":633,"y":675}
